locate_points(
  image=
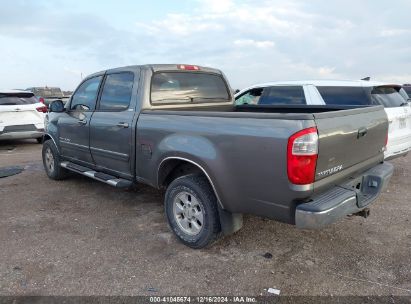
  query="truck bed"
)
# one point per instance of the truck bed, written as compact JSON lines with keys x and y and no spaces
{"x":238,"y":143}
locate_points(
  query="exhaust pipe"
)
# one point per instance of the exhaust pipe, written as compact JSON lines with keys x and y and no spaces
{"x":364,"y":213}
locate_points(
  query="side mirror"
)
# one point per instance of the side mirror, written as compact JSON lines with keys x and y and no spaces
{"x":57,"y":106}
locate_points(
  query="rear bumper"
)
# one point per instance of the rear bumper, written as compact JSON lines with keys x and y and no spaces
{"x":397,"y":151}
{"x":345,"y":199}
{"x":397,"y":147}
{"x":21,"y":132}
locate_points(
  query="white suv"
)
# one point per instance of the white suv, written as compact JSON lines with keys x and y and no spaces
{"x":339,"y":92}
{"x":21,"y":115}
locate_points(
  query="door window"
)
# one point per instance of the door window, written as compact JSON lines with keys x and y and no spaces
{"x":117,"y":92}
{"x":283,"y":95}
{"x":84,"y":99}
{"x":347,"y":96}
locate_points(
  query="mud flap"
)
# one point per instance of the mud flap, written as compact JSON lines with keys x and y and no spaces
{"x":230,"y":222}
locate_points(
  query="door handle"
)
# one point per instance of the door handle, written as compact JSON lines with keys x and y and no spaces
{"x":82,"y":122}
{"x":122,"y":125}
{"x":362,"y":132}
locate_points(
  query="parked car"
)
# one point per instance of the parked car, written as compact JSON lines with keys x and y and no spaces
{"x":334,"y":92}
{"x":175,"y":127}
{"x":21,"y":115}
{"x":48,"y":94}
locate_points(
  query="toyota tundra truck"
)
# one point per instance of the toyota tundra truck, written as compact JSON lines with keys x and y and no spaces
{"x":176,"y":128}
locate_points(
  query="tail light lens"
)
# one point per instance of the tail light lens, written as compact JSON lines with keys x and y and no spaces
{"x":302,"y":154}
{"x":188,"y":67}
{"x":41,"y":99}
{"x":42,"y":109}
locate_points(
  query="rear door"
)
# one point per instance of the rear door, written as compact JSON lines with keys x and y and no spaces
{"x":111,"y":126}
{"x":74,"y":124}
{"x":399,"y":117}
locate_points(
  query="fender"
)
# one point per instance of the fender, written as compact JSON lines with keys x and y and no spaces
{"x":195,"y":164}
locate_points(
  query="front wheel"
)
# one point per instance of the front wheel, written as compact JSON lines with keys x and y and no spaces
{"x":51,"y":161}
{"x":191,"y":210}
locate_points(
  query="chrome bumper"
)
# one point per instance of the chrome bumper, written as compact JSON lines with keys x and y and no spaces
{"x":345,"y":199}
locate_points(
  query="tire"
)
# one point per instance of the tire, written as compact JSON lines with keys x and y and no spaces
{"x":39,"y":140}
{"x":197,"y":225}
{"x":51,"y":161}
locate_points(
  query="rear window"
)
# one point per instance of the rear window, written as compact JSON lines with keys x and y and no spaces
{"x":186,"y":87}
{"x":404,"y":94}
{"x":389,"y":97}
{"x":408,"y":90}
{"x":350,"y":96}
{"x":17,"y":99}
{"x":283,"y":95}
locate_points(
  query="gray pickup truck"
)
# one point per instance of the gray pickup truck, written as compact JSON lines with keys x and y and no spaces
{"x":175,"y":127}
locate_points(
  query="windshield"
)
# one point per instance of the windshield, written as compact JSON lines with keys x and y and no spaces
{"x":17,"y":99}
{"x":186,"y":87}
{"x":389,"y":97}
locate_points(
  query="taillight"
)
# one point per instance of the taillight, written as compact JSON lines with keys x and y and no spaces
{"x":41,"y":99}
{"x":302,"y":154}
{"x":42,"y":109}
{"x":188,"y":67}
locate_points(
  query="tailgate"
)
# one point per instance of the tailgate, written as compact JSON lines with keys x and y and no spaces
{"x":19,"y":115}
{"x":348,"y":138}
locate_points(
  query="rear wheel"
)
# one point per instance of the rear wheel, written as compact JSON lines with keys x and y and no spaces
{"x":191,"y":210}
{"x":51,"y":161}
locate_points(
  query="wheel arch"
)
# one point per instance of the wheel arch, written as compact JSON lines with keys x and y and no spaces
{"x":47,"y":136}
{"x":173,"y":167}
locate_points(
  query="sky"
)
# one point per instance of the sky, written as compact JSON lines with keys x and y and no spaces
{"x":56,"y":43}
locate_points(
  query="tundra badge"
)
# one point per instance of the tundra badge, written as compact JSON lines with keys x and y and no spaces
{"x":330,"y":171}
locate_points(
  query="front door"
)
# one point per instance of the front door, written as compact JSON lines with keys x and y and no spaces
{"x":74,"y":125}
{"x":111,"y":126}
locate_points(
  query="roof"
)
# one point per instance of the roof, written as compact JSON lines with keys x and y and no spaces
{"x":319,"y":82}
{"x":155,"y":68}
{"x":5,"y":91}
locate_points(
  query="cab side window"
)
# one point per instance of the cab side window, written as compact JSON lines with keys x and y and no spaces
{"x":84,"y":99}
{"x":250,"y":97}
{"x":117,"y":90}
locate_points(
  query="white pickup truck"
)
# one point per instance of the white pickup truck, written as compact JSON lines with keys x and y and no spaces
{"x":354,"y":93}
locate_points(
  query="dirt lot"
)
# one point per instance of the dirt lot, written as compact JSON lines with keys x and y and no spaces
{"x":80,"y":237}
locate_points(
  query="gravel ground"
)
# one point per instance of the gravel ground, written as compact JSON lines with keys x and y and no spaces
{"x":81,"y":237}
